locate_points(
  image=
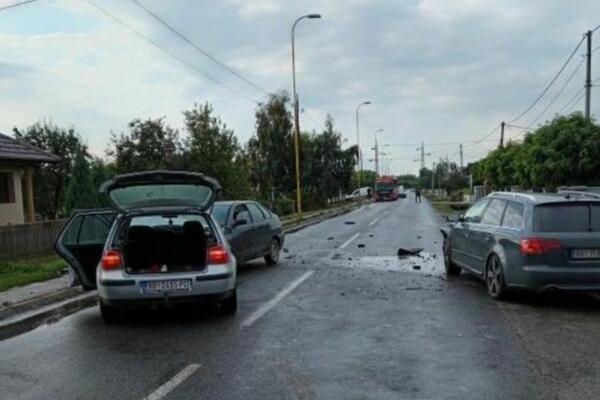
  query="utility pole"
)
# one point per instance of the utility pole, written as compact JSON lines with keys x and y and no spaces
{"x":423,"y":154}
{"x":376,"y":158}
{"x":433,"y":177}
{"x":360,"y":169}
{"x":588,"y":75}
{"x":296,"y":117}
{"x":502,"y":125}
{"x":461,"y":157}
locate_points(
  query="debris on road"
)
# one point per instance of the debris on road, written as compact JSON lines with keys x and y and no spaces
{"x":342,"y":294}
{"x":402,"y":252}
{"x":350,"y":222}
{"x":371,"y":235}
{"x":336,"y":256}
{"x":414,"y":288}
{"x":360,"y":245}
{"x":418,"y":236}
{"x":285,"y":250}
{"x":330,"y":238}
{"x":417,"y":267}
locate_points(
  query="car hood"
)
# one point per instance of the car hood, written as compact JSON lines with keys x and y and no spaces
{"x":161,"y":189}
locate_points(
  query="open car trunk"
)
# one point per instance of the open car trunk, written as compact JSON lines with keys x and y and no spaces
{"x":154,"y":244}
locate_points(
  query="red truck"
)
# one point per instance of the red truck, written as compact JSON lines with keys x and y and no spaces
{"x":386,"y":188}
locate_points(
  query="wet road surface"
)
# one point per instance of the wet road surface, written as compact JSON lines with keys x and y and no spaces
{"x":341,"y":317}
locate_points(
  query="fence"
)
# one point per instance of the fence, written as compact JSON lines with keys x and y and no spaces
{"x":26,"y":240}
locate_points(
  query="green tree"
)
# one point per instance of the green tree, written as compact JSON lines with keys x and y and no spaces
{"x":100,"y":172}
{"x":367,"y":178}
{"x":271,"y":151}
{"x":326,"y":168}
{"x":561,"y":152}
{"x":81,"y":192}
{"x":149,"y":145}
{"x":52,"y":179}
{"x":213,"y":149}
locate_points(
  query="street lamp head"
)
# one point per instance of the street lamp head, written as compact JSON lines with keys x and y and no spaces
{"x":313,"y":16}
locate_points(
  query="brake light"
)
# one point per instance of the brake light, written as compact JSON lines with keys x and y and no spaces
{"x":217,"y":255}
{"x":112,"y":259}
{"x":538,"y":246}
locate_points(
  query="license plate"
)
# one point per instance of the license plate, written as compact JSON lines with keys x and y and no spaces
{"x":585,"y":254}
{"x":174,"y":285}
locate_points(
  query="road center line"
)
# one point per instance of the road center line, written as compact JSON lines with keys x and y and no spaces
{"x":172,"y":383}
{"x":374,"y":221}
{"x":262,"y":310}
{"x":347,"y":242}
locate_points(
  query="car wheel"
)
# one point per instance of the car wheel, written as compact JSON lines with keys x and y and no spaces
{"x":229,"y":305}
{"x":273,"y":257}
{"x":451,"y":268}
{"x":110,"y":315}
{"x":494,"y":279}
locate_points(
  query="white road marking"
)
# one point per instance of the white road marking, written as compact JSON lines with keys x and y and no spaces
{"x":262,"y":310}
{"x":347,"y":242}
{"x":172,"y":383}
{"x":374,"y":221}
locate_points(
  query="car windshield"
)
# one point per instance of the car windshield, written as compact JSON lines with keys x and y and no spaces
{"x":220,"y":212}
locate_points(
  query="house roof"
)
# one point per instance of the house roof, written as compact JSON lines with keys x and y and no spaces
{"x":16,"y":150}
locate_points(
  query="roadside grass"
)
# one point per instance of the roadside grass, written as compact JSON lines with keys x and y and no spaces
{"x":21,"y":272}
{"x":444,"y":208}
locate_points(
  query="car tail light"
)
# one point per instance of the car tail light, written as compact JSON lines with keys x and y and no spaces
{"x":112,"y":259}
{"x":217,"y":255}
{"x":538,"y":246}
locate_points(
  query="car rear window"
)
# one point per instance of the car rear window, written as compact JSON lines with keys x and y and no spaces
{"x":579,"y":217}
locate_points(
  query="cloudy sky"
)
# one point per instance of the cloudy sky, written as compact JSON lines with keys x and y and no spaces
{"x":437,"y":71}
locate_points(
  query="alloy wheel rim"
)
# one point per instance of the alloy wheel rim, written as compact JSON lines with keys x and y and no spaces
{"x":274,"y":250}
{"x":493,"y":277}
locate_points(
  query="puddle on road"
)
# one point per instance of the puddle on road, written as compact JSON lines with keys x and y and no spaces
{"x":425,"y":264}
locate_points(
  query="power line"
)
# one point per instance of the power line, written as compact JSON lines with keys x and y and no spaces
{"x":490,"y":133}
{"x":571,"y":100}
{"x":21,"y":3}
{"x":198,"y":48}
{"x":173,"y":55}
{"x":558,"y":93}
{"x":574,"y":103}
{"x":562,"y":68}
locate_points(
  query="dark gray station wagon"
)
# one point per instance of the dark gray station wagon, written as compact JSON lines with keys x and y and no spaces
{"x":539,"y":242}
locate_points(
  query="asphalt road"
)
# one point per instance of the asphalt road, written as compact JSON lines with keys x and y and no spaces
{"x":341,"y":317}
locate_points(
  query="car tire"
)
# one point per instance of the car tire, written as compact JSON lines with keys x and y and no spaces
{"x":451,"y":268}
{"x":110,"y":315}
{"x":494,"y":278}
{"x":229,"y":305}
{"x":274,"y":249}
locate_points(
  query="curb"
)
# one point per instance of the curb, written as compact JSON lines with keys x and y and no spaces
{"x":51,"y":313}
{"x":320,"y":218}
{"x":30,"y":315}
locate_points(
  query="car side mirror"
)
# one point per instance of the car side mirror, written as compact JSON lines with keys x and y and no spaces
{"x":239,"y":222}
{"x":453,"y":218}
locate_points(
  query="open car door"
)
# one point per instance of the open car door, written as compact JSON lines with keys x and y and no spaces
{"x":81,"y":242}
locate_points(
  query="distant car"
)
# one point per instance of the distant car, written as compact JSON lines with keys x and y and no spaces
{"x":359,"y":193}
{"x":251,"y":229}
{"x":540,"y":242}
{"x":402,"y":193}
{"x":157,"y":245}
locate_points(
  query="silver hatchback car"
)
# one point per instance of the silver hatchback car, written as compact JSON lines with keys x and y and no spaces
{"x":158,"y":245}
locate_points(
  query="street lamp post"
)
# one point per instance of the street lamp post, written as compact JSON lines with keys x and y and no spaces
{"x":358,"y":141}
{"x":376,"y":148}
{"x":296,"y":116}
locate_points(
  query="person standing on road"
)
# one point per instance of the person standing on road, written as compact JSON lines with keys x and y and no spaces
{"x":417,"y":195}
